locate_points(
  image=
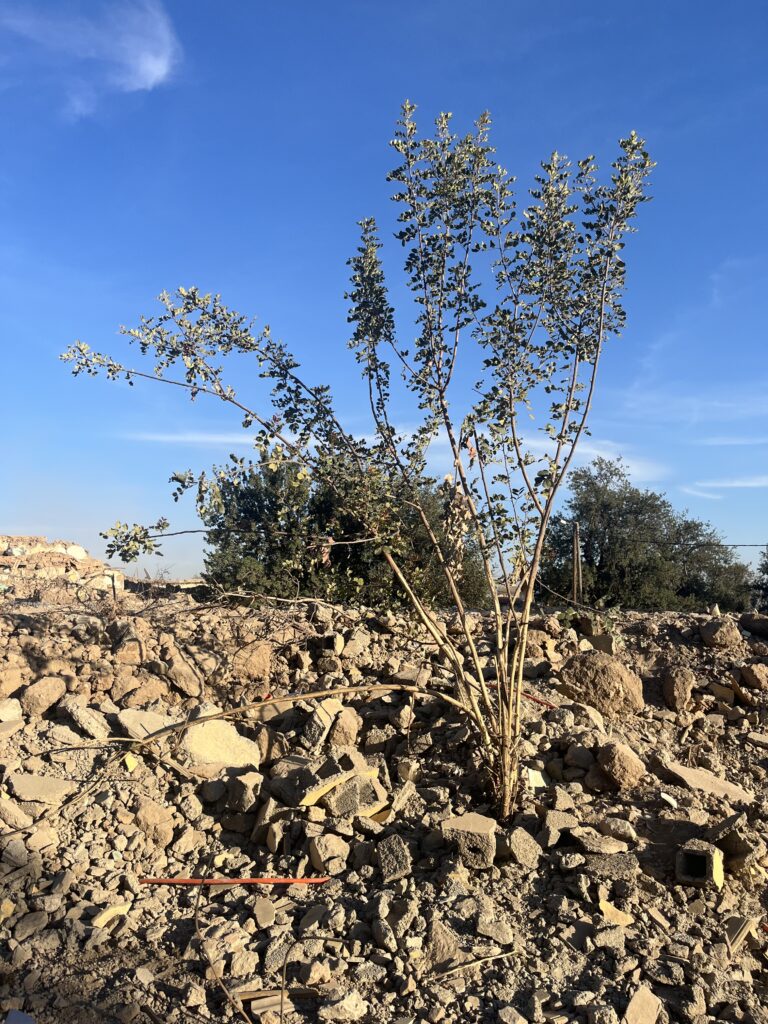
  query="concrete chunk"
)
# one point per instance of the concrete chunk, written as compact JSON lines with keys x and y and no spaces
{"x":523,"y":848}
{"x":42,"y":695}
{"x":42,"y":789}
{"x":474,"y":836}
{"x":394,"y":858}
{"x":217,"y":741}
{"x":705,"y":782}
{"x":644,"y":1007}
{"x":699,"y":863}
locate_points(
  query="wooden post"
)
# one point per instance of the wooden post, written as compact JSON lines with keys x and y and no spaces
{"x":577,"y":589}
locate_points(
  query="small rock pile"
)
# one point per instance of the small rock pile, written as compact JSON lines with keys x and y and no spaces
{"x":33,"y":567}
{"x":629,"y":885}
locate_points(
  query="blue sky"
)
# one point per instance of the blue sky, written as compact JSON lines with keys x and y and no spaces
{"x":235,"y":146}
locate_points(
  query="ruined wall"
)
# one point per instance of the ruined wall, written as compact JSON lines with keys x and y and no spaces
{"x":33,"y":567}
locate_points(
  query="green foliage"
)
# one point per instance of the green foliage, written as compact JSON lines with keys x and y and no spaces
{"x":274,"y":534}
{"x":532,"y":291}
{"x":637,"y":551}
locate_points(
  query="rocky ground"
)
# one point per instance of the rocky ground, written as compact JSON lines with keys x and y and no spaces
{"x":630,"y":885}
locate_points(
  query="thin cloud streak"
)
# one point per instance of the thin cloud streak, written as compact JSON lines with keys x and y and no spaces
{"x":641,"y":469}
{"x":123,"y":47}
{"x":736,"y":482}
{"x":192,"y":438}
{"x":698,"y":493}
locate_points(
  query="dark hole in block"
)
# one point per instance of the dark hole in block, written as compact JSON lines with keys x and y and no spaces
{"x":694,"y":865}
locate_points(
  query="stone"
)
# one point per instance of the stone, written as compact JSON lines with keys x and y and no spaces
{"x":509,"y":1015}
{"x":559,"y":821}
{"x":11,"y":680}
{"x":394,"y":858}
{"x":597,"y":780}
{"x":155,"y":821}
{"x":253,"y":662}
{"x":613,"y":866}
{"x":329,"y":853}
{"x":755,"y":676}
{"x":103,"y":918}
{"x":141,"y":724}
{"x":599,"y":680}
{"x":474,"y":836}
{"x":618,"y":828}
{"x":644,"y":1007}
{"x":144,"y":977}
{"x":699,"y":863}
{"x":720,"y":633}
{"x":703,"y":781}
{"x":87,"y":720}
{"x":614,"y":916}
{"x":12,"y":815}
{"x":14,"y":852}
{"x":8,"y":729}
{"x":10,"y":710}
{"x":319,"y":724}
{"x":357,"y":644}
{"x":243,"y":791}
{"x":130,"y":652}
{"x":579,"y":756}
{"x":442,"y":943}
{"x":497,"y":929}
{"x":42,"y":695}
{"x":755,"y":623}
{"x":677,"y":687}
{"x":30,"y":925}
{"x":621,"y":764}
{"x":352,"y":1006}
{"x":383,"y":935}
{"x":593,"y":842}
{"x":523,"y":848}
{"x":612,"y":938}
{"x":346,"y":728}
{"x":42,"y":789}
{"x":264,"y":912}
{"x":183,"y":675}
{"x":217,"y":741}
{"x":604,"y":642}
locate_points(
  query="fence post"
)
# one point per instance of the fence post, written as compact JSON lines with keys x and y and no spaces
{"x":577,"y":588}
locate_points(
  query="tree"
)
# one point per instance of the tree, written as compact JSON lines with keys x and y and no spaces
{"x":273,"y":533}
{"x":637,"y":551}
{"x":532,"y":293}
{"x":760,"y":582}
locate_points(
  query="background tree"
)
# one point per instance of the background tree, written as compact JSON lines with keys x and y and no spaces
{"x":760,"y":583}
{"x":637,"y":551}
{"x":273,"y":533}
{"x":535,"y":292}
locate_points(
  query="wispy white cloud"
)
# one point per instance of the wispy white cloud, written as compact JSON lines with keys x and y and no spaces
{"x":696,"y":492}
{"x":97,"y":48}
{"x":640,"y":468}
{"x":194,"y":438}
{"x":760,"y":480}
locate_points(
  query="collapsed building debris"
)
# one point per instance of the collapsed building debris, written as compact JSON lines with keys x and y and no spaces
{"x":155,"y":740}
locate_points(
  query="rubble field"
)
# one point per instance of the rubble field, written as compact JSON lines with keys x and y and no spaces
{"x":629,"y":885}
